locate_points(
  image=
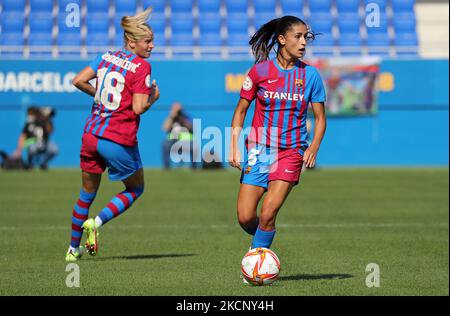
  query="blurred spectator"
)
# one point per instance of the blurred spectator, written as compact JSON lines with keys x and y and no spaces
{"x":35,"y":138}
{"x":9,"y":163}
{"x":211,"y":161}
{"x":179,"y":129}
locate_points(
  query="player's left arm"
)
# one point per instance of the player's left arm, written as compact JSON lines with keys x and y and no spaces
{"x":81,"y":80}
{"x":143,"y":102}
{"x":144,"y":93}
{"x":320,"y":125}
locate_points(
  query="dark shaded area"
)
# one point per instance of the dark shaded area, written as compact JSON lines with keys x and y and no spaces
{"x":145,"y":257}
{"x":299,"y":277}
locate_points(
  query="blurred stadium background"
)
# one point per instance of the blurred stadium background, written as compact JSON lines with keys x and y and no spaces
{"x":412,"y":89}
{"x":220,"y":28}
{"x":202,"y":55}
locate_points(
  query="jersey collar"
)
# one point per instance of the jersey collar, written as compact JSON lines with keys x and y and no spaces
{"x":275,"y":61}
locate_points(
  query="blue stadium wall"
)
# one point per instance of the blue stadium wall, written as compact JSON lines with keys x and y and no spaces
{"x":410,"y":129}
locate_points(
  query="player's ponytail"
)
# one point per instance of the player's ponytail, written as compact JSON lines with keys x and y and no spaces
{"x":266,"y":37}
{"x":264,"y":40}
{"x":136,"y":27}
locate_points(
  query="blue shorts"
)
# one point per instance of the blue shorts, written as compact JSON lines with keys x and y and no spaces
{"x":99,"y":153}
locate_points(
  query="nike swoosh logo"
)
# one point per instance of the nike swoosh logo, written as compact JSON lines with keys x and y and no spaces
{"x":270,"y":81}
{"x":288,"y":171}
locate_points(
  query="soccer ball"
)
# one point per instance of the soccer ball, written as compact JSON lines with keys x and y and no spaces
{"x":260,"y":266}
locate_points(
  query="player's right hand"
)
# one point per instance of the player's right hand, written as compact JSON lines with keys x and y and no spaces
{"x":234,"y":159}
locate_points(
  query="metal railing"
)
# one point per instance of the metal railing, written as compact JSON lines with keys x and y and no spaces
{"x":197,"y":52}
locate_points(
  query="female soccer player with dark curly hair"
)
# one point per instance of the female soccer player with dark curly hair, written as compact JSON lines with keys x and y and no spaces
{"x":277,"y":144}
{"x":123,"y":92}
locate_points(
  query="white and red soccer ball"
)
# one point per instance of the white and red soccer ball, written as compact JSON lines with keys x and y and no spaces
{"x":260,"y":266}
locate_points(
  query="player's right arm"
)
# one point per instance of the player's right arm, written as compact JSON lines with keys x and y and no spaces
{"x":81,"y":80}
{"x":237,"y":123}
{"x":248,"y":94}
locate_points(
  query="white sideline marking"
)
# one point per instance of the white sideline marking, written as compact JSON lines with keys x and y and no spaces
{"x":324,"y":225}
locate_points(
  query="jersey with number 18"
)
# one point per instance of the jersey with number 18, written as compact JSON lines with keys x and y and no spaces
{"x":120,"y":74}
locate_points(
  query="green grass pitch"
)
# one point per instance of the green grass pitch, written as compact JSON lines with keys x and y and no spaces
{"x":182,"y":236}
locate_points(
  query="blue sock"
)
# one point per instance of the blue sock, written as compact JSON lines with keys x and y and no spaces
{"x":262,"y":238}
{"x":80,"y":213}
{"x":119,"y":204}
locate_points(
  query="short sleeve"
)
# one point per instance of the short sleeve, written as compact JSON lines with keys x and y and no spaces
{"x":96,"y":62}
{"x":318,"y":91}
{"x":142,"y":79}
{"x":249,"y":87}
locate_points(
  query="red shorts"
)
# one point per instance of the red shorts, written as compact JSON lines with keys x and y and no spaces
{"x":288,"y":167}
{"x":99,"y":153}
{"x":90,"y":159}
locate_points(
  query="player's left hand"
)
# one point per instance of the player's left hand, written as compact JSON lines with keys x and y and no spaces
{"x":154,"y":92}
{"x":310,"y":157}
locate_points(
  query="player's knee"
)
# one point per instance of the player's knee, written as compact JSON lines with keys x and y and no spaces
{"x":248,"y":223}
{"x":245,"y":216}
{"x":89,"y":188}
{"x":245,"y":220}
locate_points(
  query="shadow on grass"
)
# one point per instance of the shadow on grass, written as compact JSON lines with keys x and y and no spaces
{"x":299,"y":277}
{"x":146,"y":257}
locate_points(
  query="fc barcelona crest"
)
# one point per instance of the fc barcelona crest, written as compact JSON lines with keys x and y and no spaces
{"x":299,"y":82}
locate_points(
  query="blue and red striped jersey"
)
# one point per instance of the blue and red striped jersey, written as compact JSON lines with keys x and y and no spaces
{"x":120,"y":74}
{"x":282,"y":97}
